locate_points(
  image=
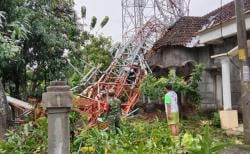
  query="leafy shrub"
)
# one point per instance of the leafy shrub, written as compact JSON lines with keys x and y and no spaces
{"x":216,"y":119}
{"x":202,"y":144}
{"x":140,"y":137}
{"x":155,"y":88}
{"x":30,"y":137}
{"x":190,"y":142}
{"x":133,"y":137}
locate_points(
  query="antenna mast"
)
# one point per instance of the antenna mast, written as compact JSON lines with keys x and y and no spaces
{"x":136,"y":13}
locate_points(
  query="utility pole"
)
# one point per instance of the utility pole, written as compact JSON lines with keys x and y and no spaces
{"x":245,"y":73}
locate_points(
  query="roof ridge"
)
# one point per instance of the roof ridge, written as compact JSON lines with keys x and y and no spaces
{"x":198,"y":17}
{"x":218,"y":9}
{"x":193,"y":16}
{"x":182,"y":32}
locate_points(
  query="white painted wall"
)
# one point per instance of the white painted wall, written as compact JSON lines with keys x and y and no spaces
{"x":228,"y":29}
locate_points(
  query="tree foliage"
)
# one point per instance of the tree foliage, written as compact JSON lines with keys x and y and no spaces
{"x":104,"y":21}
{"x":34,"y":37}
{"x":83,"y":11}
{"x":93,"y":22}
{"x":155,"y":88}
{"x":28,"y":138}
{"x":93,"y":51}
{"x":133,"y":137}
{"x":202,"y":143}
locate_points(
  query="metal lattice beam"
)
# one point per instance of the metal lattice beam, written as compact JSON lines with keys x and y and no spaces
{"x":135,"y":13}
{"x":143,"y":21}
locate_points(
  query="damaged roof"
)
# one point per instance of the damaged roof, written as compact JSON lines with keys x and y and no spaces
{"x":184,"y":31}
{"x":224,"y":13}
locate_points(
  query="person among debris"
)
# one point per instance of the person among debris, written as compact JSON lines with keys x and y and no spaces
{"x":89,"y":90}
{"x":99,"y":97}
{"x":172,"y":110}
{"x":92,"y":90}
{"x":103,"y":92}
{"x":102,"y":98}
{"x":131,"y":77}
{"x":114,"y":110}
{"x":86,"y":90}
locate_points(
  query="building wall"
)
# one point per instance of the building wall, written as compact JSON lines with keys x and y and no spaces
{"x":207,"y":85}
{"x":234,"y":68}
{"x":172,"y":56}
{"x":211,"y":85}
{"x":235,"y":82}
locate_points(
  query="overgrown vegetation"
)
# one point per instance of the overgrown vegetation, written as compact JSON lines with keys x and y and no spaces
{"x":38,"y":41}
{"x":135,"y":136}
{"x":216,"y":119}
{"x":155,"y":88}
{"x":36,"y":38}
{"x":27,"y":138}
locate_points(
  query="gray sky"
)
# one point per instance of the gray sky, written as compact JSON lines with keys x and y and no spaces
{"x":112,"y":8}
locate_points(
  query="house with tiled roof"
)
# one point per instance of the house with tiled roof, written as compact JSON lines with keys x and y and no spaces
{"x":195,"y":40}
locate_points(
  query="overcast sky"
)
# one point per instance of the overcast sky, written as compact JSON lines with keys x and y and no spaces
{"x":112,"y":8}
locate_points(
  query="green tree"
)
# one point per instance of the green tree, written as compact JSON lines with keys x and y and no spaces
{"x":35,"y":35}
{"x":94,"y":51}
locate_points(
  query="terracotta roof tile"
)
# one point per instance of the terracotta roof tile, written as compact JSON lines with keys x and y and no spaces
{"x":183,"y":32}
{"x":225,"y":12}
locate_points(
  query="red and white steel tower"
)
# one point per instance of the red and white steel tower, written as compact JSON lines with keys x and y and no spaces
{"x":143,"y":21}
{"x":136,"y":13}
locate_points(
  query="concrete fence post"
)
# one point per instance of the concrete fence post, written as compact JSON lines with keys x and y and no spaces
{"x":58,"y":101}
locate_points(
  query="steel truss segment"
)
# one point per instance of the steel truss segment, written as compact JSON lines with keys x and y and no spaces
{"x":136,"y":13}
{"x":142,"y":23}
